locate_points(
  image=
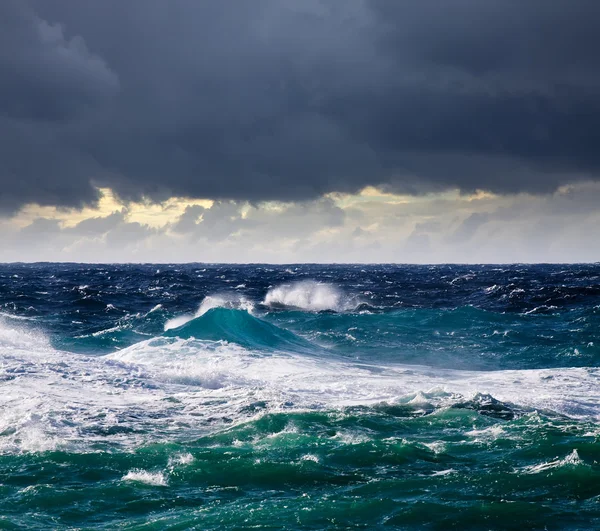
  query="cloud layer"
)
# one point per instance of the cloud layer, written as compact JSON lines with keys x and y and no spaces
{"x":292,"y":99}
{"x":370,"y":227}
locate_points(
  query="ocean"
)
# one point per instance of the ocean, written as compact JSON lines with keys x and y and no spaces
{"x":155,"y":397}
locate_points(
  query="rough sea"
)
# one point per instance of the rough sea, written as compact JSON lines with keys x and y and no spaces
{"x":174,"y":397}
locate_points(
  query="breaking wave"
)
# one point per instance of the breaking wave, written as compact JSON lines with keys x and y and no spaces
{"x":310,"y":296}
{"x":238,"y":326}
{"x":229,"y":301}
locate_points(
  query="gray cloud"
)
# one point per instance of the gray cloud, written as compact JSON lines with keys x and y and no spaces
{"x":219,"y":221}
{"x":470,"y":226}
{"x":47,"y":76}
{"x":290,"y":99}
{"x":98,"y":225}
{"x":488,"y":229}
{"x":228,"y":218}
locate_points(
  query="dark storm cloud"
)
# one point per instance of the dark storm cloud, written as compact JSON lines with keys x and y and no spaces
{"x":47,"y":81}
{"x":290,"y":99}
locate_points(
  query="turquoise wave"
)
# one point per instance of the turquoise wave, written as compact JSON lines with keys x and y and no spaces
{"x":238,"y":326}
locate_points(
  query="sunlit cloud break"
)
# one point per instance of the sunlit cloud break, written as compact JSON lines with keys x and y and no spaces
{"x":365,"y":227}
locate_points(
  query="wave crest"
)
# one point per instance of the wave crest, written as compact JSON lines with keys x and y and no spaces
{"x":310,"y":296}
{"x":228,"y":301}
{"x":20,"y":338}
{"x":241,"y":328}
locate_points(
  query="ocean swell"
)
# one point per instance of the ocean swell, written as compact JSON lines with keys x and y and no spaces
{"x":241,"y":328}
{"x":227,"y":300}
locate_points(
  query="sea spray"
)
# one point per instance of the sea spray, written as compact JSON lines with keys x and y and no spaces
{"x":311,"y":296}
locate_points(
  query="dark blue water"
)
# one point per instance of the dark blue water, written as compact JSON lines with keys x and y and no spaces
{"x":299,"y":396}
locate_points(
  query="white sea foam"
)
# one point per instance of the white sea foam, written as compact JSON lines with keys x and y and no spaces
{"x":570,"y":460}
{"x":437,"y":447}
{"x":540,"y":309}
{"x":231,"y":301}
{"x":310,"y":457}
{"x":14,"y":336}
{"x":203,"y":364}
{"x":106,"y":331}
{"x":16,"y":317}
{"x":492,"y":289}
{"x":311,"y":296}
{"x":180,"y":460}
{"x":446,"y":472}
{"x":352,"y":437}
{"x":156,"y":479}
{"x":178,"y":321}
{"x":491,"y":433}
{"x":310,"y":382}
{"x":170,"y":387}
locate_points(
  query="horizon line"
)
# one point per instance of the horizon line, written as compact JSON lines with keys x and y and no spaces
{"x":277,"y":264}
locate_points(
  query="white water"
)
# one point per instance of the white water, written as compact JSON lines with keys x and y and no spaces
{"x":170,"y":388}
{"x":307,"y":295}
{"x":156,"y":479}
{"x":310,"y":296}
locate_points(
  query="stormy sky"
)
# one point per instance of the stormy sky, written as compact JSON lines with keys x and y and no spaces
{"x":300,"y":130}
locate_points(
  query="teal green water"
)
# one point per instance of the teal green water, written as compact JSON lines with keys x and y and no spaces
{"x":311,"y":397}
{"x":240,"y":328}
{"x":357,"y":468}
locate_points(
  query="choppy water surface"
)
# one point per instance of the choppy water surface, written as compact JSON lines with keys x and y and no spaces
{"x":299,"y":397}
